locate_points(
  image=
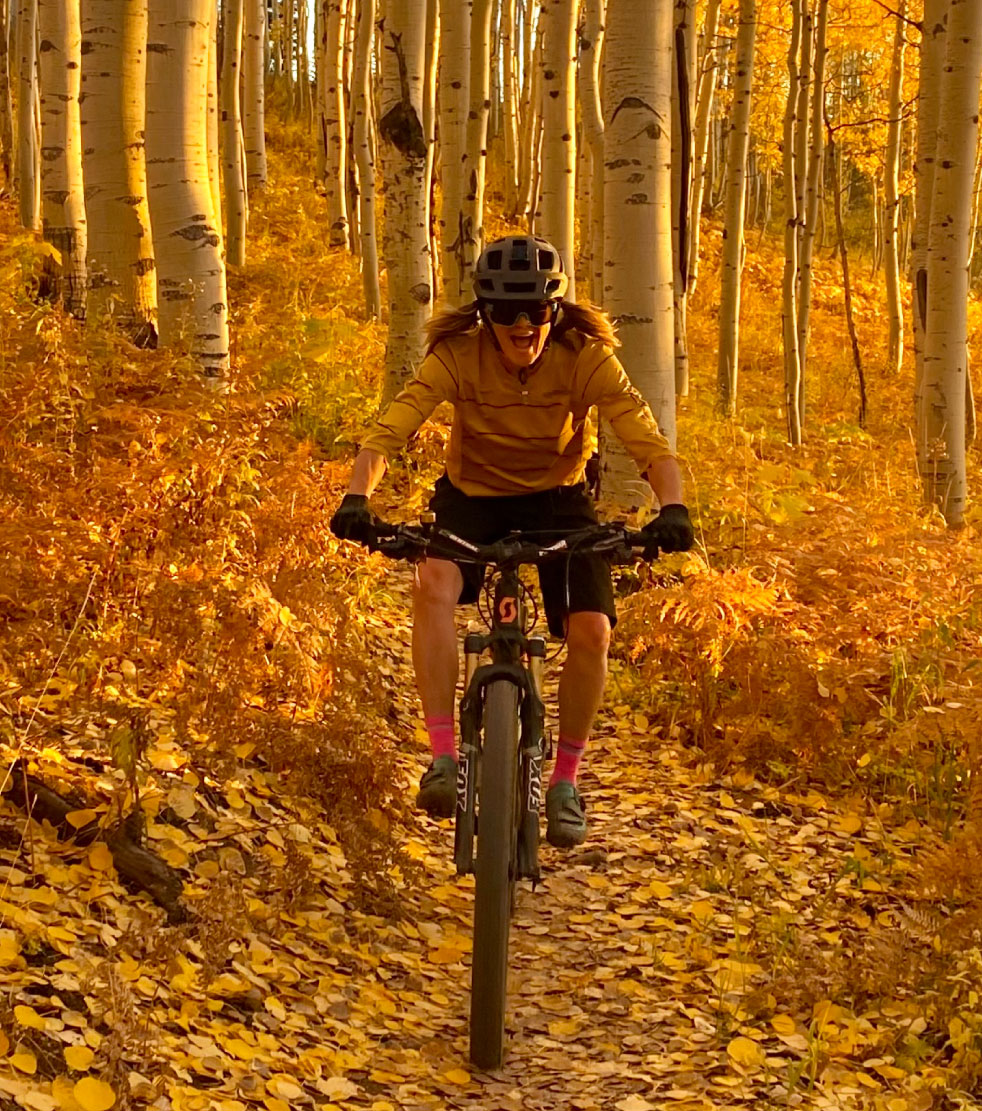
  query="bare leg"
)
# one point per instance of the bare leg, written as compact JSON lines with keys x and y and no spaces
{"x":581,"y":685}
{"x":435,"y":593}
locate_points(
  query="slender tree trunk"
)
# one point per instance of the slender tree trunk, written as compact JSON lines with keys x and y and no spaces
{"x":932,"y":51}
{"x":364,"y":153}
{"x":406,"y":242}
{"x":942,"y":432}
{"x":233,"y":145}
{"x":455,"y":53}
{"x":812,"y":192}
{"x":429,"y":130}
{"x":591,"y":113}
{"x":892,"y":188}
{"x":335,"y":128}
{"x":734,"y":212}
{"x":121,"y":274}
{"x":557,"y":194}
{"x":789,"y":314}
{"x":6,"y":102}
{"x":62,"y":200}
{"x":474,"y":167}
{"x":510,"y":117}
{"x":638,"y":289}
{"x":704,"y":108}
{"x":213,"y":128}
{"x":254,"y":95}
{"x":28,"y":152}
{"x":193,"y":303}
{"x":683,"y":111}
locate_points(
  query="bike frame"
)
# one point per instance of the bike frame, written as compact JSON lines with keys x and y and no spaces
{"x":518,"y":659}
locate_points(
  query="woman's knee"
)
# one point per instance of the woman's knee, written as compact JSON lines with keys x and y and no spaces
{"x":588,"y":634}
{"x":437,"y":584}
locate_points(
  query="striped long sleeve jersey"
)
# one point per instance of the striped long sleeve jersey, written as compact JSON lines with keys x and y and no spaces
{"x":520,"y":433}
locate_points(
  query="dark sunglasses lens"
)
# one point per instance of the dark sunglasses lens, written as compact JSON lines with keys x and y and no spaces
{"x":508,"y":312}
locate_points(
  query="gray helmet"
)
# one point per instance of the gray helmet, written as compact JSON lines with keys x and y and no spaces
{"x":520,"y":268}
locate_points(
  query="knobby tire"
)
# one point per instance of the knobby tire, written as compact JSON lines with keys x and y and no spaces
{"x":494,"y":879}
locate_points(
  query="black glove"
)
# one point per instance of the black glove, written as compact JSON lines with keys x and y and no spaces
{"x":353,"y":519}
{"x":670,"y":531}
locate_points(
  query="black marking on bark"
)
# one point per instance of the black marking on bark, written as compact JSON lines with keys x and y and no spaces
{"x":401,"y":126}
{"x":45,"y":45}
{"x":637,"y":198}
{"x":421,"y":292}
{"x":144,"y":266}
{"x":158,"y":48}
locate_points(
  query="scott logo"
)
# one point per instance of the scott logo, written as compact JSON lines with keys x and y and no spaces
{"x":508,"y":611}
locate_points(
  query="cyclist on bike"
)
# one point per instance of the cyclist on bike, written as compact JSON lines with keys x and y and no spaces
{"x":522,"y":369}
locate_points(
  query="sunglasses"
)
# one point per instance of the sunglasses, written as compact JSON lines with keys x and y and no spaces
{"x":507,"y":313}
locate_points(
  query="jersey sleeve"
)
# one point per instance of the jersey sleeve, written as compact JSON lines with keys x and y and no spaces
{"x":607,"y":386}
{"x":435,"y":381}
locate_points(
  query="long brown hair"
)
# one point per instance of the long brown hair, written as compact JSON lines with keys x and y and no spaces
{"x":576,"y":316}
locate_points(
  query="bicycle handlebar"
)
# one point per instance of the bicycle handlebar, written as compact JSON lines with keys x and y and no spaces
{"x":415,"y":542}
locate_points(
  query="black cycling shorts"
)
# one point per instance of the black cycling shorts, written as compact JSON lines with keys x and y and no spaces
{"x":575,"y":584}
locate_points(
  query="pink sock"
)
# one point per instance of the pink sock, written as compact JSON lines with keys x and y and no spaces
{"x":567,"y":760}
{"x":440,"y":729}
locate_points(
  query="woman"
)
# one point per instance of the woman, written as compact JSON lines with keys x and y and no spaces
{"x":522,"y":369}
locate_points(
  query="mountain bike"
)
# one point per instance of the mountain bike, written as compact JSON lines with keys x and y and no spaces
{"x":502,"y":739}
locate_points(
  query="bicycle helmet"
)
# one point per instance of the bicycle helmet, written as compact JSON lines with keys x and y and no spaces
{"x":520,"y":268}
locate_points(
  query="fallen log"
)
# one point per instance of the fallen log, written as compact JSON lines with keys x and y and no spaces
{"x":136,"y":865}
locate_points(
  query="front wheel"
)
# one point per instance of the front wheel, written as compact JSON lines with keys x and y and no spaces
{"x":494,"y":874}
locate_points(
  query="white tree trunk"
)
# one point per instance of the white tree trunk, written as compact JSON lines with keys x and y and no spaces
{"x":932,"y":51}
{"x":28,"y":152}
{"x":700,"y":137}
{"x":455,"y":54}
{"x":406,"y":243}
{"x":557,"y":193}
{"x":683,"y":111}
{"x":430,"y":67}
{"x":335,"y":127}
{"x":735,"y":211}
{"x":365,"y":156}
{"x":510,"y":107}
{"x":254,"y":94}
{"x":892,"y":190}
{"x":591,"y":114}
{"x":942,"y":433}
{"x":638,"y":287}
{"x":62,"y":201}
{"x":789,"y":302}
{"x":474,"y":165}
{"x":233,"y":143}
{"x":120,"y":264}
{"x":6,"y":102}
{"x":214,"y":131}
{"x":187,"y":242}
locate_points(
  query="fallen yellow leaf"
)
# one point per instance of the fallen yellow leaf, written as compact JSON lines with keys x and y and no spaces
{"x":746,"y":1052}
{"x":79,"y":818}
{"x":27,"y":1016}
{"x":63,"y":1091}
{"x":783,"y":1024}
{"x":457,"y":1076}
{"x":25,"y":1061}
{"x":94,"y":1095}
{"x":78,"y":1057}
{"x":100,"y":858}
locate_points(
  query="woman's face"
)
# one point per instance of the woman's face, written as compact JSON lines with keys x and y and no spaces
{"x":522,"y":342}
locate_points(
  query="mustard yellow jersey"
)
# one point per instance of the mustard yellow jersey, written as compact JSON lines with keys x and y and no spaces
{"x":519,"y":432}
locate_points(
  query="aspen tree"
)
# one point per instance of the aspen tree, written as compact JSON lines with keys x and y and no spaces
{"x":62,"y":201}
{"x":789,"y":301}
{"x":254,"y":95}
{"x":892,"y":188}
{"x":474,"y":166}
{"x":28,"y":140}
{"x":233,"y":144}
{"x":429,"y":131}
{"x":708,"y":71}
{"x":187,"y":243}
{"x":932,"y":54}
{"x":335,"y":126}
{"x":510,"y":108}
{"x":213,"y":129}
{"x":557,"y":193}
{"x":734,"y":212}
{"x":406,"y":244}
{"x":942,"y":430}
{"x":638,"y":284}
{"x":6,"y":103}
{"x":361,"y":107}
{"x":120,"y":263}
{"x":683,"y":109}
{"x":591,"y":114}
{"x":812,"y":187}
{"x":531,"y":130}
{"x":455,"y":53}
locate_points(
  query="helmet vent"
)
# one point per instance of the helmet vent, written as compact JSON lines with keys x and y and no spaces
{"x":519,"y":287}
{"x":494,"y":260}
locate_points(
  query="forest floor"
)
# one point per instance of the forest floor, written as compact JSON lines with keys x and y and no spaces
{"x":777,"y":904}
